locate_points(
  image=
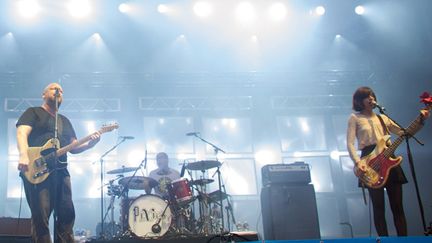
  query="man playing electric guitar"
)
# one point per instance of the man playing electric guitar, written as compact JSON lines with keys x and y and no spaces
{"x":375,"y":167}
{"x":35,"y":128}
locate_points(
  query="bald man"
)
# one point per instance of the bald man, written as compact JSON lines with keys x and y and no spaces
{"x":34,"y":128}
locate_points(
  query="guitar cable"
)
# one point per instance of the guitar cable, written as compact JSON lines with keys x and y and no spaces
{"x":370,"y":217}
{"x":19,"y":209}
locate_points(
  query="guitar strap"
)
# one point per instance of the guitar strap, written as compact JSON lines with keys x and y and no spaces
{"x":385,"y":128}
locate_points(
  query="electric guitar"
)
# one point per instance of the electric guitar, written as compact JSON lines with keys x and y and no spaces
{"x":42,"y":160}
{"x":379,"y":162}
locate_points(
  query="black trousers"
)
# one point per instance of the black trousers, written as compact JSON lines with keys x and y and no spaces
{"x":40,"y":198}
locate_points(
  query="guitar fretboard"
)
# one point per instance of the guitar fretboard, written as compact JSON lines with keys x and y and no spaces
{"x":412,"y":129}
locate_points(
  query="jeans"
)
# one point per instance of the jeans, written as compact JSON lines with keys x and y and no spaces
{"x":40,"y":198}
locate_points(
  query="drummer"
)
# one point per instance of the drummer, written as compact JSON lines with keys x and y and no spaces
{"x":164,"y":175}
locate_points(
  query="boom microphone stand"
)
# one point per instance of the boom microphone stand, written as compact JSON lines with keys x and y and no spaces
{"x":102,"y":233}
{"x":216,"y":150}
{"x":411,"y":163}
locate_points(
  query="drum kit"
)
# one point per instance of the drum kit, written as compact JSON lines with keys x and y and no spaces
{"x":187,"y":209}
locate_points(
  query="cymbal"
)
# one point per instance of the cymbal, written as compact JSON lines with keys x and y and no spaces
{"x":122,"y":170}
{"x":201,"y":182}
{"x":138,"y":182}
{"x":203,"y":165}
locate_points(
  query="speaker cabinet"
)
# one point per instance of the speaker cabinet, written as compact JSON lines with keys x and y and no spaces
{"x":289,"y":212}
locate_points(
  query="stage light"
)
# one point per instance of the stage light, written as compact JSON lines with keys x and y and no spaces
{"x":28,"y":8}
{"x":162,"y":8}
{"x":124,"y":8}
{"x":97,"y":36}
{"x":334,"y":155}
{"x":320,"y":10}
{"x":277,"y":11}
{"x":304,"y":125}
{"x":202,"y":9}
{"x":254,"y":38}
{"x":245,"y":12}
{"x":359,"y":10}
{"x":180,"y":39}
{"x":79,"y":8}
{"x":338,"y":36}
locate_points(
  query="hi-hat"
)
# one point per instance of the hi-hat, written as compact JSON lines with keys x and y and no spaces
{"x":138,"y":182}
{"x":203,"y":165}
{"x":217,"y":195}
{"x":122,"y":170}
{"x":201,"y":182}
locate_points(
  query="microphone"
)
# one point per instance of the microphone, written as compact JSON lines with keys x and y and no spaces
{"x":127,"y":137}
{"x":381,"y":108}
{"x":183,"y":169}
{"x":192,"y":133}
{"x":57,"y":92}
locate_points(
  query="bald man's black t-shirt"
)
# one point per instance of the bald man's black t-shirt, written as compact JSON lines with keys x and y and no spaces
{"x":42,"y":124}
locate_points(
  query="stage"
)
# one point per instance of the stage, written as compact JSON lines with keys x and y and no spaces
{"x":227,"y":238}
{"x":242,"y":238}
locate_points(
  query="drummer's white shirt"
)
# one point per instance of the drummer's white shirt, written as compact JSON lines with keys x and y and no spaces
{"x":163,"y":180}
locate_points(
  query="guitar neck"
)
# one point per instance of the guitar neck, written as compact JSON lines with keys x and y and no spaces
{"x":73,"y":145}
{"x":412,"y":129}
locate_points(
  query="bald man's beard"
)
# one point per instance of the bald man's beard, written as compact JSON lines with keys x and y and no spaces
{"x":51,"y":102}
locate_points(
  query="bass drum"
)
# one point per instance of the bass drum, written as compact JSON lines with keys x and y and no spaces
{"x":147,"y":218}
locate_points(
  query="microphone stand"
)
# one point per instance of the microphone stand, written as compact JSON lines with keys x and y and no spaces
{"x":412,"y":168}
{"x":144,"y":161}
{"x":56,"y":160}
{"x":102,"y":233}
{"x":216,"y":150}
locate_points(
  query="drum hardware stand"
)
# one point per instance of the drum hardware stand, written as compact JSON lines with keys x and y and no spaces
{"x":203,"y":221}
{"x":220,"y":198}
{"x":216,"y":150}
{"x":229,"y":210}
{"x":102,"y":233}
{"x":125,"y":190}
{"x":111,"y":206}
{"x":413,"y":173}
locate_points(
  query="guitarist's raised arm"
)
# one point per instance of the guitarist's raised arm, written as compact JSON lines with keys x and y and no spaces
{"x":94,"y":139}
{"x":23,"y":131}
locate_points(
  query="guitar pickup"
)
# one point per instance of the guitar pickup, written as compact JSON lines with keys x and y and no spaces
{"x":40,"y":173}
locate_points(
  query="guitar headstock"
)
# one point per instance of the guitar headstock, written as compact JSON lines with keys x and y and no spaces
{"x":426,"y":98}
{"x":108,"y":128}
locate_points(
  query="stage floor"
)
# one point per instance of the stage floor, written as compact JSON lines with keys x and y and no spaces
{"x":234,"y":238}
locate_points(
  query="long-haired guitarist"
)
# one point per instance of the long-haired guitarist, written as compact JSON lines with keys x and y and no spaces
{"x":35,"y":128}
{"x":369,"y":128}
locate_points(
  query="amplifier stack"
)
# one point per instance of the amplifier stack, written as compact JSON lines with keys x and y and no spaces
{"x":288,"y":202}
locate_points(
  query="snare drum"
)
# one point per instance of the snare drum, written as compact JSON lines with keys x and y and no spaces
{"x":181,"y":190}
{"x":144,"y":214}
